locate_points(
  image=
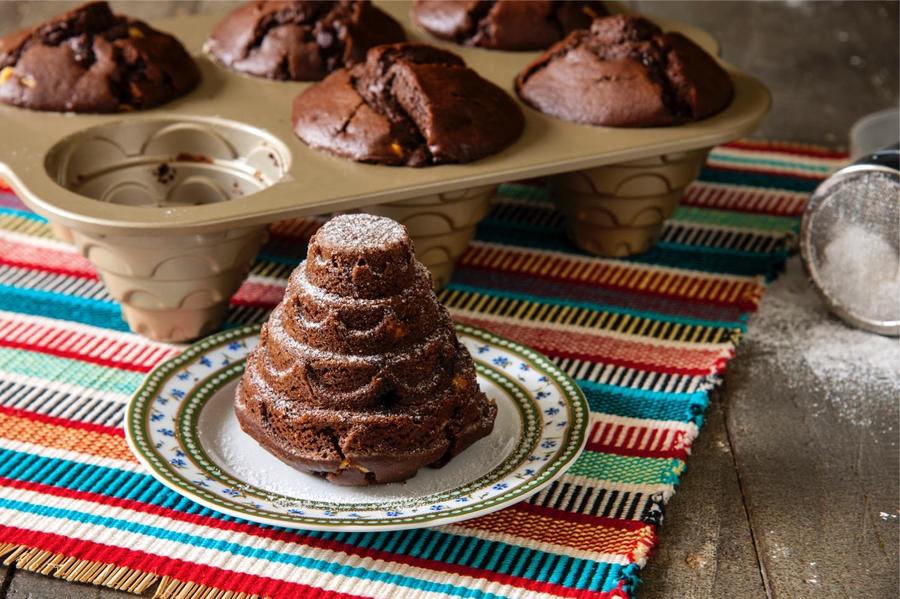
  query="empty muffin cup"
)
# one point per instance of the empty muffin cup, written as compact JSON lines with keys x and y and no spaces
{"x":172,"y":286}
{"x":441,"y":225}
{"x":619,"y":210}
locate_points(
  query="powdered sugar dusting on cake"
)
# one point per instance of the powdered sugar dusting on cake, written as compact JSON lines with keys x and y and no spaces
{"x":358,"y":232}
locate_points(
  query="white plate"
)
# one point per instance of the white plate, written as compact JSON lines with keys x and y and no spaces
{"x":181,"y":425}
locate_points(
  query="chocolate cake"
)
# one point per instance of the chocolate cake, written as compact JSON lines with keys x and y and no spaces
{"x":407,"y":104}
{"x":91,"y":60}
{"x":625,"y":72}
{"x":301,"y":40}
{"x":505,"y":24}
{"x":358,"y":376}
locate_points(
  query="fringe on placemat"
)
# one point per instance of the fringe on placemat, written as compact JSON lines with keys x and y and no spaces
{"x":169,"y":588}
{"x":120,"y":578}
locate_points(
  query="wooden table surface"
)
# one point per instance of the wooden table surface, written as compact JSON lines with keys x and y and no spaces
{"x":783,"y":497}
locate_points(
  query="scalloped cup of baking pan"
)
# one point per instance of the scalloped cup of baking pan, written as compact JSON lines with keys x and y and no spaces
{"x":171,"y":204}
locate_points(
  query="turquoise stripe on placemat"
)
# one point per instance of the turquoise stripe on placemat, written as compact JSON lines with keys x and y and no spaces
{"x":641,"y":404}
{"x":675,"y":255}
{"x":819,"y":170}
{"x":718,"y":260}
{"x":27,"y":214}
{"x":50,"y":304}
{"x":765,"y":180}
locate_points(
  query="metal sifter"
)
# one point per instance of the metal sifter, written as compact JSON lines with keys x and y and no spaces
{"x":850,"y":242}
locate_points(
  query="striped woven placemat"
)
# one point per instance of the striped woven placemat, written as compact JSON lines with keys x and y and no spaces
{"x":646,"y":338}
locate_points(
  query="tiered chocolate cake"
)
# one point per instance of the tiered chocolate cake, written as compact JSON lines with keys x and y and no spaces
{"x":358,"y":376}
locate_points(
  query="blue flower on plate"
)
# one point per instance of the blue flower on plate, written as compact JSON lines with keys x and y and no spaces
{"x":436,"y":508}
{"x":461,"y":499}
{"x":177,"y":393}
{"x":393,"y":514}
{"x":501,"y":361}
{"x":543,"y":379}
{"x":296,"y":512}
{"x":200,"y":483}
{"x":534,"y":458}
{"x":542,"y":394}
{"x":524,"y":367}
{"x":179,"y":453}
{"x":206,"y":361}
{"x":234,"y":345}
{"x":183,"y":376}
{"x":231,"y":492}
{"x":483,"y":349}
{"x":551,"y":411}
{"x":161,"y":400}
{"x":353,"y":515}
{"x":166,"y":431}
{"x":548,"y":444}
{"x":156,"y":416}
{"x":500,"y":486}
{"x":529,"y":471}
{"x":561,"y":424}
{"x":329,"y":513}
{"x":226,"y":361}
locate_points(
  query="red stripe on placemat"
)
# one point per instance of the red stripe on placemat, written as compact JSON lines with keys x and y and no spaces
{"x":142,"y":561}
{"x":786,"y":148}
{"x":258,"y":295}
{"x":81,"y":346}
{"x":743,"y":199}
{"x":609,"y":350}
{"x":637,"y":441}
{"x":33,"y":257}
{"x":65,"y":422}
{"x":298,"y":538}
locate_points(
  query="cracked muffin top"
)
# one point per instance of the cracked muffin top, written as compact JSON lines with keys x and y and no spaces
{"x":300,"y":41}
{"x":408,"y":104}
{"x":625,"y":72}
{"x":506,"y":24}
{"x":91,"y":60}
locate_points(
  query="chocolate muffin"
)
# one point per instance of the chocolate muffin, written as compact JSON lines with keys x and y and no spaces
{"x":506,"y":24}
{"x":358,"y":376}
{"x":407,"y":104}
{"x":91,"y":60}
{"x":301,"y":40}
{"x":625,"y":72}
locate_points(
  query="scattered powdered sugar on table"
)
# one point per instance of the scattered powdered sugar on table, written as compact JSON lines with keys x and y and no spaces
{"x":851,"y":366}
{"x":862,"y":272}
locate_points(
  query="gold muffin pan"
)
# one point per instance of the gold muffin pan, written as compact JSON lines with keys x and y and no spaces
{"x":171,"y":204}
